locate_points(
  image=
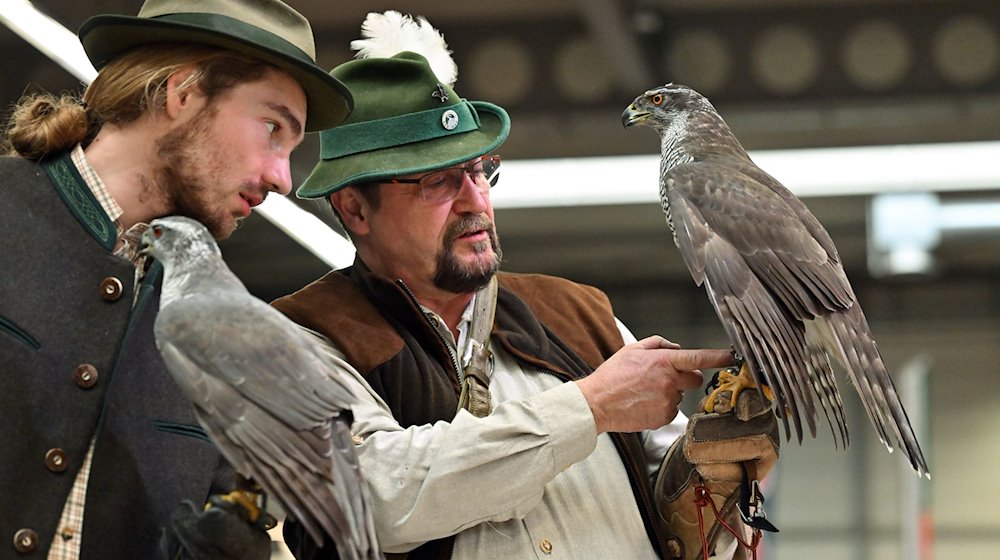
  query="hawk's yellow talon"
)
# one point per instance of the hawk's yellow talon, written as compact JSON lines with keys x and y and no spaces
{"x":245,"y":498}
{"x":768,"y":393}
{"x":734,"y":384}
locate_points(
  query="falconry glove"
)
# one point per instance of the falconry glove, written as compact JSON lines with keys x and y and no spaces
{"x":720,"y":458}
{"x":225,"y":529}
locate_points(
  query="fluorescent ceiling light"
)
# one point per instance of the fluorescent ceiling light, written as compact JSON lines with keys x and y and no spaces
{"x":609,"y":180}
{"x":310,"y":231}
{"x":48,"y":36}
{"x":868,"y":170}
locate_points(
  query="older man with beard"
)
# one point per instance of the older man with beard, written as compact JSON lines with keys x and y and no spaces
{"x":508,"y":415}
{"x":195,"y":111}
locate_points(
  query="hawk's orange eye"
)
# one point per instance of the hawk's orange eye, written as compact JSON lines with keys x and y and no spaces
{"x":157,"y":232}
{"x":657,"y":99}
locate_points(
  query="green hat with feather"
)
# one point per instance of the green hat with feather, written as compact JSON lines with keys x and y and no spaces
{"x":407,"y":118}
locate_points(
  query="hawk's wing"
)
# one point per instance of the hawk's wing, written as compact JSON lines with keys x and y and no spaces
{"x":767,"y":266}
{"x":271,"y":405}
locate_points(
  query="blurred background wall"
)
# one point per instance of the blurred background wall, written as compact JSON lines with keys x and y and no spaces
{"x":786,"y":74}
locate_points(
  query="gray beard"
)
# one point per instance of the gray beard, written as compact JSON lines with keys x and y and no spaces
{"x":453,"y":276}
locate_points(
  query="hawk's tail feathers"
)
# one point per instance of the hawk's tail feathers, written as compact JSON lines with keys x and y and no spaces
{"x":855,"y":347}
{"x":327,"y":504}
{"x":825,"y":386}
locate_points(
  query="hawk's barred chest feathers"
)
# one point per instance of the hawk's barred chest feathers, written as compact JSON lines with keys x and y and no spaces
{"x":672,"y":148}
{"x":697,"y":132}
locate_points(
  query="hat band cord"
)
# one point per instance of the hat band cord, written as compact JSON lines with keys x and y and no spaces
{"x":367,"y":136}
{"x":237,"y":29}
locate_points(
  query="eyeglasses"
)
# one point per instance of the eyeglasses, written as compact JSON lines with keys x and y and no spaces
{"x":444,"y":184}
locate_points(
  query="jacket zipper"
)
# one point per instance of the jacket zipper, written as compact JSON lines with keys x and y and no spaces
{"x":444,"y":342}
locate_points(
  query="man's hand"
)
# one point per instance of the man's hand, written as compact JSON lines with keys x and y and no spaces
{"x":641,"y":385}
{"x":222,"y":531}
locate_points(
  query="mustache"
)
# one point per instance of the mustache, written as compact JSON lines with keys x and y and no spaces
{"x":468,"y":224}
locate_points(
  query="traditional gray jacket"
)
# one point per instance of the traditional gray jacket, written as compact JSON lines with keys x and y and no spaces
{"x":79,"y":365}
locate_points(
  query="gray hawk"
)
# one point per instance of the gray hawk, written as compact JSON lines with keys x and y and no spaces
{"x":771,"y":272}
{"x":261,"y":388}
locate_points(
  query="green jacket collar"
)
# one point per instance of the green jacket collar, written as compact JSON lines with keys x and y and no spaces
{"x":80,"y":200}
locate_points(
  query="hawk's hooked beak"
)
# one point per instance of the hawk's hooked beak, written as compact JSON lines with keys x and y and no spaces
{"x":146,"y":242}
{"x":632,"y":116}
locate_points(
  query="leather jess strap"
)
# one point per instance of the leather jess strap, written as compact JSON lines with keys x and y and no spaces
{"x":475,"y":393}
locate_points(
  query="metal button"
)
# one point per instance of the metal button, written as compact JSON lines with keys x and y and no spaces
{"x":55,"y":460}
{"x":675,"y":548}
{"x":546,"y":546}
{"x":111,"y":288}
{"x":25,"y":541}
{"x":85,"y":376}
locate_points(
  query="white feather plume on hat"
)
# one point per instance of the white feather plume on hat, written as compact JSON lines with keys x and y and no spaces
{"x":388,"y":34}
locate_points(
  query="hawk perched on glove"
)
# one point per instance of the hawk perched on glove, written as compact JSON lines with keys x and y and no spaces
{"x":771,"y":271}
{"x":261,"y":388}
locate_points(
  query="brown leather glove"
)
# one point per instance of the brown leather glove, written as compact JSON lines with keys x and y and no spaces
{"x":713,"y":455}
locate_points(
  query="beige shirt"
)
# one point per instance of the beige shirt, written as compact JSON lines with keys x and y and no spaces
{"x":532,"y":479}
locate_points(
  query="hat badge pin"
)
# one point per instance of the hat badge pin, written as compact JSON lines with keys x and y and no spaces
{"x":440,"y":93}
{"x":449,"y":119}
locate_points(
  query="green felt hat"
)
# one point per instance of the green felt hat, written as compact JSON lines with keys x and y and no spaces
{"x":266,"y":29}
{"x":404,"y":121}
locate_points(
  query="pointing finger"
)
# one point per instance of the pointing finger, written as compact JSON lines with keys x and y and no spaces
{"x":656,"y":342}
{"x":698,"y":359}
